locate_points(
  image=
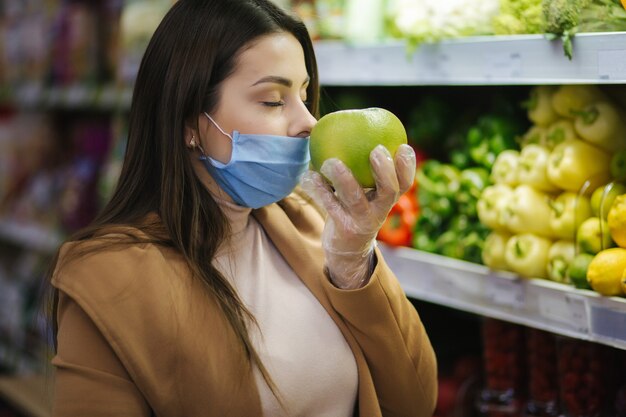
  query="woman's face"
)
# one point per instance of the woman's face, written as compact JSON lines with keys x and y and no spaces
{"x":266,"y":94}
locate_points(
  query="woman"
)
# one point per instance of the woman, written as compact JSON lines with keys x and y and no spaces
{"x":206,"y":287}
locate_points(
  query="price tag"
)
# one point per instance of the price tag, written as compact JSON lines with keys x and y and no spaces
{"x":563,"y":308}
{"x":608,"y":323}
{"x":612,"y":64}
{"x":503,"y":65}
{"x":505,"y":292}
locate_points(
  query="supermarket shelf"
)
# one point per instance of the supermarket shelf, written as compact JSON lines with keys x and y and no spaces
{"x":536,"y":303}
{"x":99,"y":97}
{"x":599,"y":58}
{"x":32,"y":236}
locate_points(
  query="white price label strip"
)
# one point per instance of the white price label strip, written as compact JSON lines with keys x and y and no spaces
{"x":608,"y":323}
{"x":505,"y":292}
{"x":612,"y":64}
{"x":563,"y":308}
{"x":503,"y":65}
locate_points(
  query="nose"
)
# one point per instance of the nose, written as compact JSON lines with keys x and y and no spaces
{"x":303,"y":122}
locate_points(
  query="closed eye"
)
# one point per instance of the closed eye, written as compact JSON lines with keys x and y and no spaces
{"x":273,"y":103}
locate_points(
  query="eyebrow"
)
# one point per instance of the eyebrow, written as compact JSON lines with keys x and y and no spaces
{"x":279,"y":80}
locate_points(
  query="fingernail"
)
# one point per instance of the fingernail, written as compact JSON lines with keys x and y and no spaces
{"x":307,"y":177}
{"x":331,"y":167}
{"x":383,"y":150}
{"x":407,"y":153}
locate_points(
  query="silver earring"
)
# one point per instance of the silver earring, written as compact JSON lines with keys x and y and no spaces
{"x":193,"y":142}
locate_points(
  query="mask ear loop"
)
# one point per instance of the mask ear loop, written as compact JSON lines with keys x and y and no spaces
{"x":218,"y":126}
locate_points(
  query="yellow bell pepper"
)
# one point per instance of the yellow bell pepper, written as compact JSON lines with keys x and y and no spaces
{"x":602,"y":125}
{"x":569,"y":99}
{"x":559,"y":132}
{"x":532,"y":168}
{"x":491,"y":204}
{"x":560,"y":256}
{"x":527,"y":255}
{"x":504,"y":169}
{"x":574,"y":163}
{"x":540,"y":110}
{"x":494,"y":250}
{"x":567,"y":212}
{"x":528,"y":210}
{"x":534,"y":135}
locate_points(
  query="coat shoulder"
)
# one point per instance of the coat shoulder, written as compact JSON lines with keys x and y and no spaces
{"x":111,"y":268}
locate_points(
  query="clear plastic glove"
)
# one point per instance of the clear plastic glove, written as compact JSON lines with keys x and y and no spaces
{"x":354,"y":215}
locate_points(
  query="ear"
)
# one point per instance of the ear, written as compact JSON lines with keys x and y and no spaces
{"x":190,"y":138}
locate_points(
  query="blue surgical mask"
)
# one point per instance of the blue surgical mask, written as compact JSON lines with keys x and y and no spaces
{"x":262,"y":170}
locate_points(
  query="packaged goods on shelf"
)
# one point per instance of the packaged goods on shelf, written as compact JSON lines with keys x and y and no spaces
{"x":78,"y":201}
{"x":138,"y":21}
{"x":532,"y":373}
{"x":30,"y":182}
{"x":543,"y":388}
{"x":25,"y":32}
{"x":49,"y":179}
{"x":505,"y":369}
{"x":112,"y":165}
{"x":23,"y":332}
{"x":586,"y":379}
{"x":75,"y":45}
{"x":331,"y":18}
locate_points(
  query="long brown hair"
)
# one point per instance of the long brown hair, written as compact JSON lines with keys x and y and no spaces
{"x":194,"y":49}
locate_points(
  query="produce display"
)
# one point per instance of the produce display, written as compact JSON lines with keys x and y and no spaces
{"x":564,"y":18}
{"x":428,"y":21}
{"x":544,"y":202}
{"x":550,"y":204}
{"x":448,"y":193}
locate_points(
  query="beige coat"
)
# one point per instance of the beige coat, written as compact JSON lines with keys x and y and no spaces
{"x":138,"y":336}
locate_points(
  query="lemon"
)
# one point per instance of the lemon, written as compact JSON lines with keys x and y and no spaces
{"x":606,"y":270}
{"x":350,"y":135}
{"x":617,"y":220}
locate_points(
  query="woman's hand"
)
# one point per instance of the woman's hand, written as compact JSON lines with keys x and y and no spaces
{"x":354,"y":215}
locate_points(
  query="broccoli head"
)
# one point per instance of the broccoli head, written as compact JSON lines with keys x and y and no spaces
{"x":561,"y":16}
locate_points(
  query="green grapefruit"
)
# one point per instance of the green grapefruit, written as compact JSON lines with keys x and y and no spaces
{"x":603,"y":197}
{"x":350,"y":135}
